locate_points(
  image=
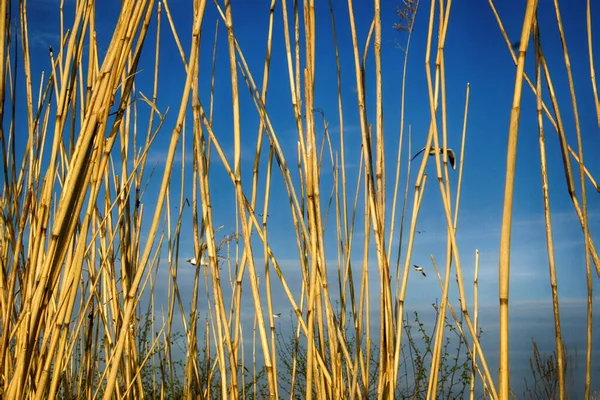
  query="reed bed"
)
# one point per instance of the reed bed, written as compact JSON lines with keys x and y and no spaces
{"x":83,"y":242}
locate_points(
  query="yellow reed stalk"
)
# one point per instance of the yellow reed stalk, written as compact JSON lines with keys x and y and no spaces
{"x":401,"y":136}
{"x":69,"y":229}
{"x":364,"y":291}
{"x":475,"y":324}
{"x":339,"y":369}
{"x":263,"y":96}
{"x":566,"y":160}
{"x":445,"y":197}
{"x":274,"y":141}
{"x":267,"y":271}
{"x":386,"y":316}
{"x":435,"y":359}
{"x":504,"y":262}
{"x":175,"y":35}
{"x":343,"y":233}
{"x":585,"y":225}
{"x":402,"y":220}
{"x":312,"y":196}
{"x":111,"y":380}
{"x":588,"y":20}
{"x":384,"y":266}
{"x":419,"y":190}
{"x":548,"y":221}
{"x":257,"y":226}
{"x":458,"y":323}
{"x":222,"y":333}
{"x":191,"y":377}
{"x":241,"y":206}
{"x":4,"y":5}
{"x":26,"y":65}
{"x":554,"y":123}
{"x":357,"y":311}
{"x":380,"y":155}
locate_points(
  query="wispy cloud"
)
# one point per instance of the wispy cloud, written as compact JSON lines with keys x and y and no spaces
{"x":39,"y":39}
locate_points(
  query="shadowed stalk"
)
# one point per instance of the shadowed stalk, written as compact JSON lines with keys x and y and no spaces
{"x":584,"y":223}
{"x":548,"y":219}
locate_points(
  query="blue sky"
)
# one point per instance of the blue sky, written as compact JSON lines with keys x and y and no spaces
{"x":476,"y":54}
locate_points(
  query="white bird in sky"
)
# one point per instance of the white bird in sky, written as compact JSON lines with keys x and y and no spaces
{"x":277,"y":315}
{"x":203,"y":262}
{"x":450,"y":152}
{"x":419,"y":269}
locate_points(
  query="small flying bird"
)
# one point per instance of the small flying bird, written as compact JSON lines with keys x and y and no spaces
{"x":203,"y":262}
{"x":419,"y":232}
{"x":419,"y":269}
{"x":450,"y":152}
{"x":277,"y":315}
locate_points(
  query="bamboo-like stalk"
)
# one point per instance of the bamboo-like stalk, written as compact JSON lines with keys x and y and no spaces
{"x":504,"y":262}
